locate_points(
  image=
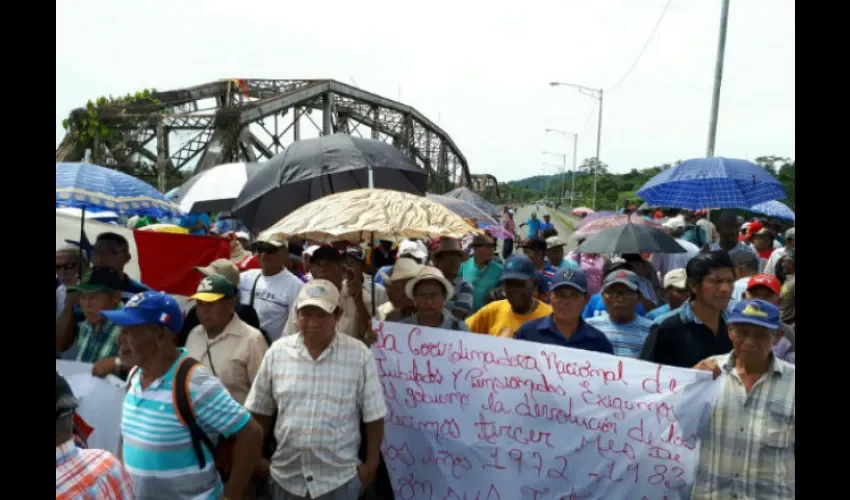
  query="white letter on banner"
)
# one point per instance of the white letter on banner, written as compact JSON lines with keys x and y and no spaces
{"x":479,"y":417}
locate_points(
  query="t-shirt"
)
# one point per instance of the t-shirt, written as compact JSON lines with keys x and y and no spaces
{"x":483,"y":281}
{"x":627,"y":338}
{"x":533,"y":227}
{"x":498,"y":319}
{"x":596,"y":307}
{"x":190,"y":220}
{"x":273,"y":299}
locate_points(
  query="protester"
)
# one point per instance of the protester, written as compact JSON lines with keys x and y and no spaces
{"x":82,"y":473}
{"x":767,"y":288}
{"x":727,"y":228}
{"x":697,"y":329}
{"x":675,"y":293}
{"x":481,"y":271}
{"x":596,"y":304}
{"x":533,"y":224}
{"x":778,"y":254}
{"x":429,"y":290}
{"x":509,"y":226}
{"x":565,"y":326}
{"x":592,"y":265}
{"x":112,"y":250}
{"x":555,"y":254}
{"x":448,"y":258}
{"x":747,"y":265}
{"x":399,"y":304}
{"x":750,"y":445}
{"x":626,"y":331}
{"x":502,"y":318}
{"x":535,"y":249}
{"x":322,"y":384}
{"x":666,"y":262}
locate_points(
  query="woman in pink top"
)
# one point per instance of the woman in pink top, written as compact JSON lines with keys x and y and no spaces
{"x":591,"y":265}
{"x":509,"y":226}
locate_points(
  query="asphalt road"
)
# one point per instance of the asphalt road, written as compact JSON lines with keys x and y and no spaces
{"x":524,"y":213}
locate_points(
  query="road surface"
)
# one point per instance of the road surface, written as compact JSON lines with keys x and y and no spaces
{"x":524,"y":213}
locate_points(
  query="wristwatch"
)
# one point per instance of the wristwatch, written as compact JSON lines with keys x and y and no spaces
{"x":118,"y":364}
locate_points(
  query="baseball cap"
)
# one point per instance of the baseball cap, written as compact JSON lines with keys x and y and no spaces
{"x":155,"y":308}
{"x":622,"y":277}
{"x":320,"y":293}
{"x":569,"y":277}
{"x":356,"y":253}
{"x":675,"y":223}
{"x":221,"y":267}
{"x":554,"y":242}
{"x":242,"y":235}
{"x":99,"y":279}
{"x":766,"y":280}
{"x":213,"y":288}
{"x":755,"y":312}
{"x":789,"y":234}
{"x":274,"y":239}
{"x":414,"y":249}
{"x":66,"y":402}
{"x":677,"y":278}
{"x":535,"y":243}
{"x":518,"y":267}
{"x":614,"y":264}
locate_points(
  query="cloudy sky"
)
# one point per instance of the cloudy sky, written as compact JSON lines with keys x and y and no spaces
{"x":479,"y":69}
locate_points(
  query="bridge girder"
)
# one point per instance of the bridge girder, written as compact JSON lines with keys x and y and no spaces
{"x":243,"y":120}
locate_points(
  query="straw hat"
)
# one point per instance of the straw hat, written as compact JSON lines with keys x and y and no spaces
{"x":428,"y":273}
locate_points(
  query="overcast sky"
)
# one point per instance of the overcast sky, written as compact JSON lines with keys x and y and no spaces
{"x":478,"y":70}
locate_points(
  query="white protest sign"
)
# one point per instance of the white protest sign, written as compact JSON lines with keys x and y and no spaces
{"x":478,"y":417}
{"x":101,"y":402}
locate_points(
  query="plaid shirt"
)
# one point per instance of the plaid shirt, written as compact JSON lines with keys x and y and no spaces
{"x":463,"y":297}
{"x":319,"y":404}
{"x":90,"y":475}
{"x":96,"y":342}
{"x":750,"y":452}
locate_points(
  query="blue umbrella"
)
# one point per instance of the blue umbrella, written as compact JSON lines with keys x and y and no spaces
{"x":95,"y":188}
{"x":774,"y":208}
{"x":712,"y":183}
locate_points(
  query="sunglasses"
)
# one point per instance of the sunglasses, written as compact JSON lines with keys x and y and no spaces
{"x":67,"y":266}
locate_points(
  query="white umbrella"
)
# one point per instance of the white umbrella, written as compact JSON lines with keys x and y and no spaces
{"x":76,"y":212}
{"x":214,"y":190}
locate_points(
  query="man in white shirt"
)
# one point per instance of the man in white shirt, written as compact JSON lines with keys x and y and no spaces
{"x":776,"y":255}
{"x":272,"y":289}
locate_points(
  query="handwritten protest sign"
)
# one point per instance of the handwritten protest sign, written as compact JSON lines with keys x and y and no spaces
{"x":478,"y":417}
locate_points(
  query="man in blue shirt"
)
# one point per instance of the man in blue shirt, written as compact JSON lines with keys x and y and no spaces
{"x":535,"y":249}
{"x":565,"y":326}
{"x":621,"y":325}
{"x":533,"y":225}
{"x":547,"y":223}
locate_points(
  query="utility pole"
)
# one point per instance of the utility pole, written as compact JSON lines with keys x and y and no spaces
{"x":575,"y":158}
{"x":718,"y":79}
{"x":575,"y":153}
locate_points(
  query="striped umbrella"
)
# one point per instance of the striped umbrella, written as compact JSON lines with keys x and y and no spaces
{"x":613,"y":220}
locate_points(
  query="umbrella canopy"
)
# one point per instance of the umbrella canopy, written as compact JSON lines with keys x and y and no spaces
{"x":462,"y":208}
{"x":474,"y":199}
{"x":774,"y":208}
{"x":496,"y":231}
{"x":593,"y":216}
{"x":712,"y":183}
{"x":97,"y":188}
{"x":609,"y":221}
{"x":630,"y":238}
{"x":313,"y":168}
{"x":582,"y":211}
{"x":214,"y":190}
{"x":380,"y":213}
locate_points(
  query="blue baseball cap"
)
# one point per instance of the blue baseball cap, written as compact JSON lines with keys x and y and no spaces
{"x":755,"y":312}
{"x":572,"y":278}
{"x":623,"y":277}
{"x":155,"y":308}
{"x":518,"y":267}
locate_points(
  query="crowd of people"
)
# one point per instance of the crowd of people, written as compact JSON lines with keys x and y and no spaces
{"x":265,"y":386}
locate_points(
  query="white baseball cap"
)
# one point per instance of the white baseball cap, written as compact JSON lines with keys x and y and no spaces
{"x":415,"y":249}
{"x":676,"y":278}
{"x":320,"y":293}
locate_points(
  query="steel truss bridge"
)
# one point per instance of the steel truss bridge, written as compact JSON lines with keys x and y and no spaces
{"x":252,"y":120}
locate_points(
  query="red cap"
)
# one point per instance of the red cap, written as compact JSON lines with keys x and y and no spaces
{"x":771,"y":282}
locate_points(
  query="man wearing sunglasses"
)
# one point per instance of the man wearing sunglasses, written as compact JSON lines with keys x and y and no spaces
{"x":272,"y":289}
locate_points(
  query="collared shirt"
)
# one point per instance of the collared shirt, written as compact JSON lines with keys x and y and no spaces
{"x":749,"y":453}
{"x":158,"y":450}
{"x":450,"y":322}
{"x":681,"y":339}
{"x":545,"y":331}
{"x":347,"y":322}
{"x":234,"y":355}
{"x":463,"y":298}
{"x":483,"y":280}
{"x":627,"y":338}
{"x":739,"y":247}
{"x":96,"y":342}
{"x":90,"y":475}
{"x":320,"y":403}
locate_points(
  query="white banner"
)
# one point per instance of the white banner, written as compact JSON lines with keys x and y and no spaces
{"x":100,"y":400}
{"x":478,"y":417}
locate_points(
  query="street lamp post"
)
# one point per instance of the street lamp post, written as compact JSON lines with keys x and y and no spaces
{"x":575,"y":158}
{"x":596,"y":94}
{"x":562,"y":167}
{"x":718,"y":78}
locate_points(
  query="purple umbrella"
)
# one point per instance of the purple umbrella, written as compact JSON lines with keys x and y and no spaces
{"x":594,"y":216}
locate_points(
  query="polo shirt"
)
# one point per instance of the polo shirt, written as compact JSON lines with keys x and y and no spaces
{"x":627,"y":338}
{"x":483,"y":281}
{"x":681,"y":339}
{"x":544,"y":331}
{"x":157,"y":448}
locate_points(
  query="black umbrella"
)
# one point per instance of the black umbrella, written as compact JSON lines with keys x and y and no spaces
{"x":313,"y":168}
{"x":630,"y":238}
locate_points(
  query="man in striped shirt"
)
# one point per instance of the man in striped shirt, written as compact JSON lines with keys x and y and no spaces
{"x":621,"y":324}
{"x":158,"y":448}
{"x":81,"y":473}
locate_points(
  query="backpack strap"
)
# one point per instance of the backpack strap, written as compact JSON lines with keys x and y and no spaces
{"x":183,"y":406}
{"x":133,"y":371}
{"x":254,"y":289}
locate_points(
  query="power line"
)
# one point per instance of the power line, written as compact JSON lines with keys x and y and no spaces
{"x":643,"y":49}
